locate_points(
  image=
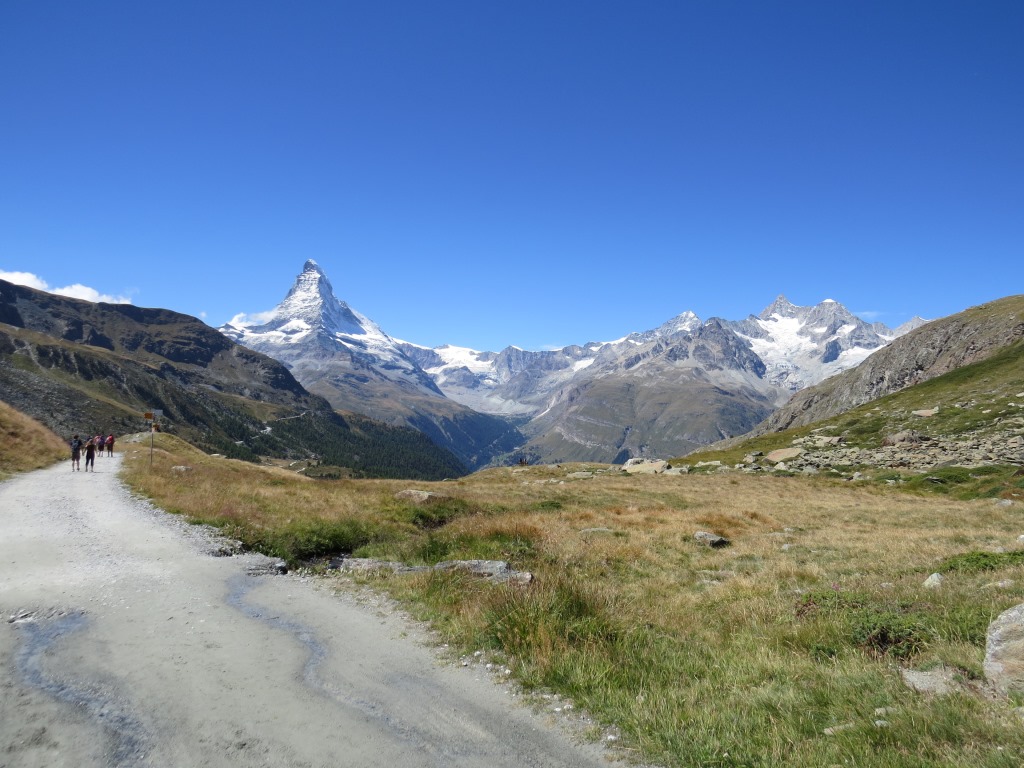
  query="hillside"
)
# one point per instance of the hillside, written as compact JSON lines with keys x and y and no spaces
{"x":971,"y":416}
{"x":929,"y":351}
{"x":83,"y":367}
{"x":25,"y":444}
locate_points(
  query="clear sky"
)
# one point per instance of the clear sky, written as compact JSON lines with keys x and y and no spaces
{"x":532,"y":173}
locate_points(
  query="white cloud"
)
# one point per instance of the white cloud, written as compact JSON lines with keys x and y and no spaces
{"x":24,"y":278}
{"x":243,"y":320}
{"x":73,"y":291}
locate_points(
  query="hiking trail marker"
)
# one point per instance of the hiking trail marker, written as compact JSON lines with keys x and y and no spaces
{"x":154,"y":426}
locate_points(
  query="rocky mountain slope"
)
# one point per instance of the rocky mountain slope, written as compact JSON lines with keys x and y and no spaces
{"x":82,"y":367}
{"x":681,"y":385}
{"x":659,"y":392}
{"x":928,"y":351}
{"x":971,"y":415}
{"x":346,"y":358}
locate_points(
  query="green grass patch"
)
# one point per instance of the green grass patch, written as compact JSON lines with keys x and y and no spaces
{"x":309,"y":539}
{"x":976,"y":562}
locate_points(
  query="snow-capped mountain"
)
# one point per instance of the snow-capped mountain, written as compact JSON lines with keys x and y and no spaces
{"x":663,"y":391}
{"x":342,"y":355}
{"x":801,"y":346}
{"x":312,"y":330}
{"x":798,"y":346}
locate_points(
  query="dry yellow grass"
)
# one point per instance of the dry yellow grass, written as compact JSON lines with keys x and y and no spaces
{"x":749,"y":651}
{"x":25,"y":444}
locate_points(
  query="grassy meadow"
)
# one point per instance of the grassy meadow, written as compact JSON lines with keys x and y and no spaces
{"x":738,"y":656}
{"x":25,"y":444}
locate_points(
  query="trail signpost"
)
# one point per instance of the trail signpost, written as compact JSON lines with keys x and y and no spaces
{"x":154,"y":425}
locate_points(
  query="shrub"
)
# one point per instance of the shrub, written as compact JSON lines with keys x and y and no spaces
{"x":884,"y":633}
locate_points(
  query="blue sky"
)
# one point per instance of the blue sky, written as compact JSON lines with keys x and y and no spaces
{"x":529,"y":173}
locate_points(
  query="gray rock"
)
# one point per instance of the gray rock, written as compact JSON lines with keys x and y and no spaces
{"x":838,"y":729}
{"x":579,"y":475}
{"x":934,"y":581}
{"x":906,"y":437}
{"x":711,"y":539}
{"x":784,"y":454}
{"x":644,"y":466}
{"x":494,"y":570}
{"x":939,"y":681}
{"x":1004,"y":651}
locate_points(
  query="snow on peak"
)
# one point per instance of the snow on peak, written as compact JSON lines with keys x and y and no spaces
{"x":782,"y":307}
{"x":312,"y":319}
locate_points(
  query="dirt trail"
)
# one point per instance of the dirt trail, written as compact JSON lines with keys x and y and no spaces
{"x":125,"y":643}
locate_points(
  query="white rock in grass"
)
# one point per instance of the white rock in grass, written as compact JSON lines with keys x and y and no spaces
{"x":1004,"y":651}
{"x":838,"y":729}
{"x":934,"y":581}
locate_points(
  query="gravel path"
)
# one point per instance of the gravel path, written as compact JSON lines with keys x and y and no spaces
{"x":125,"y":643}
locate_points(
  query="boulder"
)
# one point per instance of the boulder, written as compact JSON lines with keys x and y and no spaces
{"x":906,"y":437}
{"x":926,"y":413}
{"x":1004,"y":651}
{"x":711,"y":539}
{"x":784,"y":454}
{"x":644,"y":466}
{"x":495,"y":570}
{"x":934,"y":581}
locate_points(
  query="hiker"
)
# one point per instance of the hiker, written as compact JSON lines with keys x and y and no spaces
{"x":76,"y":453}
{"x":90,"y":454}
{"x":110,"y":445}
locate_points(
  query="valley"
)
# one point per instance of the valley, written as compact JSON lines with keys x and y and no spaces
{"x":818,"y":591}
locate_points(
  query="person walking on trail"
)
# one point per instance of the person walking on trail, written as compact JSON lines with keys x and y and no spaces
{"x":76,"y":453}
{"x":110,"y":445}
{"x":90,"y":454}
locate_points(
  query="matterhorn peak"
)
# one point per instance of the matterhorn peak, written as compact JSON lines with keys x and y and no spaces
{"x":311,"y":301}
{"x":311,"y":285}
{"x":310,"y":308}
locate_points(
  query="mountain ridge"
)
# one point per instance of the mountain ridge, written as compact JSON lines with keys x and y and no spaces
{"x":713,"y":377}
{"x":79,"y":366}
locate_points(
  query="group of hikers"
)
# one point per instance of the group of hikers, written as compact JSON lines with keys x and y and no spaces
{"x":90,"y":447}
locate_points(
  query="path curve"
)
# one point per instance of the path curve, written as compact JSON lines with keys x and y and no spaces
{"x":124,"y":642}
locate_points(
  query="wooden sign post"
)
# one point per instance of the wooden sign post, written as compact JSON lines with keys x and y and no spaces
{"x":151,"y":417}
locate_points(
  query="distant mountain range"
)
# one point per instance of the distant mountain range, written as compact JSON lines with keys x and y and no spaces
{"x":85,"y":367}
{"x":663,"y":391}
